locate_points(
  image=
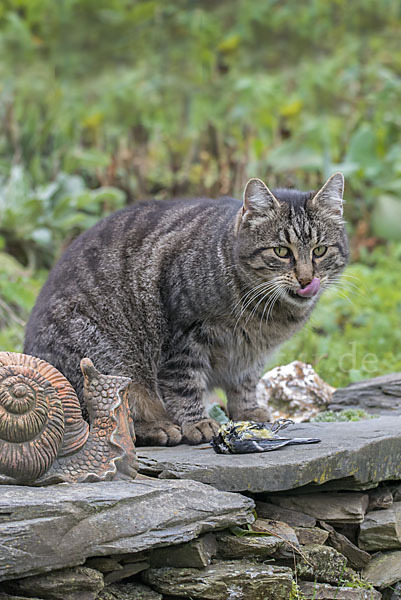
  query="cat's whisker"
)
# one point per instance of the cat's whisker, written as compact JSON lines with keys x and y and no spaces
{"x":351,"y":284}
{"x":273,"y":302}
{"x":341,"y":292}
{"x":264,"y":293}
{"x":257,"y":305}
{"x":251,"y":291}
{"x":342,"y":284}
{"x":341,"y":278}
{"x":243,"y":299}
{"x":345,"y":297}
{"x":276,"y":293}
{"x":267,"y":289}
{"x":346,"y":274}
{"x":346,"y":286}
{"x":251,"y":299}
{"x":270,"y":302}
{"x":265,"y":286}
{"x":259,"y":292}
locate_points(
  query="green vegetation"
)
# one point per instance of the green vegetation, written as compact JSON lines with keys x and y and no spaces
{"x":18,"y":290}
{"x":348,"y":414}
{"x":104,"y":103}
{"x":36,"y":223}
{"x":296,"y":593}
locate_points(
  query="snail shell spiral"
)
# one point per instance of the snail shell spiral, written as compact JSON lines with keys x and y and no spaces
{"x":40,"y":417}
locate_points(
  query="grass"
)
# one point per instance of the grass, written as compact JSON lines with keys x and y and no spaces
{"x":349,"y":414}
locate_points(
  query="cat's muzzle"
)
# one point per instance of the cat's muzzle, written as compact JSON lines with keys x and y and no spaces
{"x":311,"y":289}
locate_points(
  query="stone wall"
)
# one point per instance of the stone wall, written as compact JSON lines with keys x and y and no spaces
{"x":328,"y":525}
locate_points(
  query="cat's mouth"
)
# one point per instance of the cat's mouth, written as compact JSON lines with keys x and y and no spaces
{"x":294,"y":294}
{"x":306,"y":293}
{"x":295,"y":298}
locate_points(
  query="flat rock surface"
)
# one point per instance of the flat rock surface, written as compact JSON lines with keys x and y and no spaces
{"x":336,"y":508}
{"x":321,"y":563}
{"x":378,"y":396}
{"x":128,"y":591}
{"x":194,"y":554}
{"x":384,"y":569}
{"x":227,"y":580}
{"x":248,"y":546}
{"x":324,"y":591}
{"x":43,"y":529}
{"x":363,"y":451}
{"x":381,"y":529}
{"x":78,"y":583}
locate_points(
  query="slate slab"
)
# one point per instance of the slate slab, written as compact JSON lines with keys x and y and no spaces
{"x":6,"y":596}
{"x":79,"y":583}
{"x":279,"y":529}
{"x":397,"y":493}
{"x":228,"y":580}
{"x":364,"y":451}
{"x":196,"y":553}
{"x":311,"y":535}
{"x":42,"y":529}
{"x":384,"y":569}
{"x":379,"y":396}
{"x":128,"y":591}
{"x":381,"y":529}
{"x":321,"y":563}
{"x":231,"y":546}
{"x":333,"y":508}
{"x":127,"y":571}
{"x":104,"y":564}
{"x":266,"y":510}
{"x":379,"y":498}
{"x":357,"y":558}
{"x":324,"y":591}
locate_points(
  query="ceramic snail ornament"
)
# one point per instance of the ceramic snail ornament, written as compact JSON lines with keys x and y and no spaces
{"x":43,"y":436}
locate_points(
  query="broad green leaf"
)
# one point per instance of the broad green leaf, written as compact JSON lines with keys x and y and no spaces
{"x":386,"y":218}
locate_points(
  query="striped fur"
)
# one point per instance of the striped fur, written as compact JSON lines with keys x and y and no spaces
{"x":183,"y":296}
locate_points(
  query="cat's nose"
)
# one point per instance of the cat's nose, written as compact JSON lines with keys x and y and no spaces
{"x":304,"y":281}
{"x":309,"y":288}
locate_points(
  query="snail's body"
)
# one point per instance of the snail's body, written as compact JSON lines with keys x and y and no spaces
{"x":43,"y":437}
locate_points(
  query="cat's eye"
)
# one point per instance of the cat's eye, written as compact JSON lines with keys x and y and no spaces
{"x":282,"y":251}
{"x":319,"y":251}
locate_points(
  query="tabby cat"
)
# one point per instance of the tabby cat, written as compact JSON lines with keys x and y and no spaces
{"x":184,"y":296}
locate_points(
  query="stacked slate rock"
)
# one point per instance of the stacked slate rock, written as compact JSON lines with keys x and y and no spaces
{"x":328,"y":525}
{"x":342,"y":545}
{"x":331,"y":545}
{"x":349,"y":540}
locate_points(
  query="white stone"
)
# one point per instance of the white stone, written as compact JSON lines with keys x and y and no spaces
{"x":294,"y":391}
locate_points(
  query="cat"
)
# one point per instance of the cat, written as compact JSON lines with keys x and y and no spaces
{"x":184,"y":296}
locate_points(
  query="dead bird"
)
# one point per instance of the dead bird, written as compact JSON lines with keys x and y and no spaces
{"x":244,"y":437}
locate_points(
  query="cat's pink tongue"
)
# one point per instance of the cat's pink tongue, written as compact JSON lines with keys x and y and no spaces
{"x":311,"y":289}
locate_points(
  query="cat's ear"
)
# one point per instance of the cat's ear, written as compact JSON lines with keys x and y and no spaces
{"x":258,"y":198}
{"x":330,"y":196}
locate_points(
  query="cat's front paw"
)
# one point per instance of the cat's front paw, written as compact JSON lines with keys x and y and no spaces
{"x":202,"y":431}
{"x":254,"y":414}
{"x":158,"y":433}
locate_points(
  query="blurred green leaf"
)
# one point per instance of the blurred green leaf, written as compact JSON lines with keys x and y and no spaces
{"x":386,"y":217}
